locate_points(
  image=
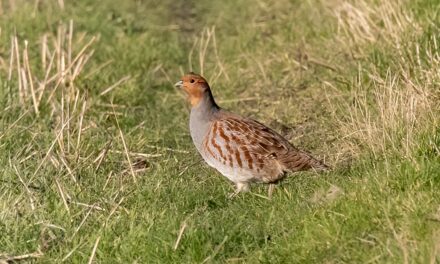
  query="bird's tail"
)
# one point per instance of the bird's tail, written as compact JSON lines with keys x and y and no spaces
{"x":301,"y":160}
{"x":318,"y":165}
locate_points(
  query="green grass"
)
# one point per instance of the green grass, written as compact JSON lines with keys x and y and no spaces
{"x":356,"y":83}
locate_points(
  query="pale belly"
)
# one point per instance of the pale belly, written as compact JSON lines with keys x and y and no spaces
{"x":234,"y":174}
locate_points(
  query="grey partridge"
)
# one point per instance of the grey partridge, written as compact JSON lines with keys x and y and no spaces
{"x":242,"y":149}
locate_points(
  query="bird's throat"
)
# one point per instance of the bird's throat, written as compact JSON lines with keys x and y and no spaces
{"x":194,"y":100}
{"x":203,"y":100}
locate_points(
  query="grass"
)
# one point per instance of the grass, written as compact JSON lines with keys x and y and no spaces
{"x":97,"y":162}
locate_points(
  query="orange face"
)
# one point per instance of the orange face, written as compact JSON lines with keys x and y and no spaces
{"x":194,"y":86}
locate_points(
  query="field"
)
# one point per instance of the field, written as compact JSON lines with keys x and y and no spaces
{"x":97,"y":165}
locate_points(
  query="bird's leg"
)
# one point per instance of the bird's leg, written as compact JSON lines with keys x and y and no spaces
{"x":270,"y":190}
{"x":240,"y":187}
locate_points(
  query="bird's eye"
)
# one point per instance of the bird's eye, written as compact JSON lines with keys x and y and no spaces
{"x":192,"y":81}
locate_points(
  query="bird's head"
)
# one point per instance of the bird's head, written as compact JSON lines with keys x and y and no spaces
{"x":195,"y":86}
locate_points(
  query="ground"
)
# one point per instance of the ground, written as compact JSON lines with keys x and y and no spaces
{"x":98,"y":165}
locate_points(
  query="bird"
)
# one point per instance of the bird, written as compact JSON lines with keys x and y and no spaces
{"x":242,"y":149}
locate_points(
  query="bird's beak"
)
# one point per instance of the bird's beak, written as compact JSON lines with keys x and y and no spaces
{"x":179,"y":84}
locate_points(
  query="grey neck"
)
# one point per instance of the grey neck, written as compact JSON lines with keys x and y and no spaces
{"x":201,"y":117}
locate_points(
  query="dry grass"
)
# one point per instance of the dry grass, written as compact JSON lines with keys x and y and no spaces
{"x":8,"y":7}
{"x":53,"y":81}
{"x":52,"y":85}
{"x":364,"y":22}
{"x":387,"y":111}
{"x":205,"y":46}
{"x":391,"y":116}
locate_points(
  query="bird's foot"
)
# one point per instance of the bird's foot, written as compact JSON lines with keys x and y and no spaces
{"x":240,"y":187}
{"x":270,"y":190}
{"x":232,"y":194}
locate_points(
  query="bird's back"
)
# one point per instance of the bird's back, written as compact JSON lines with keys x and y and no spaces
{"x":246,"y":150}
